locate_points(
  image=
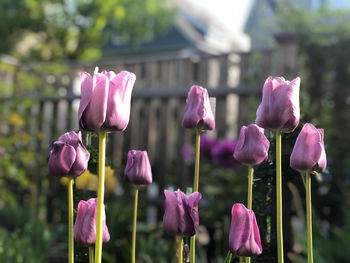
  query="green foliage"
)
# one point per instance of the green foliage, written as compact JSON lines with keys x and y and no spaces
{"x":59,"y":29}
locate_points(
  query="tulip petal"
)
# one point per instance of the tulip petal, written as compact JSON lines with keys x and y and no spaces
{"x":119,"y":97}
{"x":138,"y":168}
{"x":279,"y":109}
{"x":86,"y":93}
{"x":252,"y":146}
{"x":85,"y":223}
{"x":252,"y":247}
{"x":308,"y":152}
{"x":198,"y":112}
{"x":171,"y":213}
{"x":94,"y":115}
{"x":240,"y":227}
{"x":192,"y":201}
{"x":61,"y":159}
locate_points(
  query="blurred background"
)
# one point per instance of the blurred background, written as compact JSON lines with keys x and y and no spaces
{"x":229,"y":47}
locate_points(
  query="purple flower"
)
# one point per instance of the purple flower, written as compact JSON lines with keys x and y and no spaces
{"x":222,"y":154}
{"x":186,"y":152}
{"x":138,"y":169}
{"x":279,"y":109}
{"x":180,"y":215}
{"x":308,"y":152}
{"x":252,"y":146}
{"x":105,"y":100}
{"x":198,"y":113}
{"x":85,"y":223}
{"x":244,"y":237}
{"x":68,"y":156}
{"x":206,"y":145}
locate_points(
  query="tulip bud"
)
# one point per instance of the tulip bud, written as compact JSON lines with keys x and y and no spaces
{"x":198,"y":113}
{"x":105,"y":100}
{"x":68,"y":156}
{"x":279,"y":109}
{"x":180,"y":215}
{"x":252,"y":146}
{"x":244,"y":237}
{"x":85,"y":223}
{"x":138,"y":169}
{"x":309,"y":154}
{"x":222,"y":154}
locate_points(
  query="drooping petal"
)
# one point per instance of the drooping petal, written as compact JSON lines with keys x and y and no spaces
{"x":198,"y":112}
{"x":86,"y":88}
{"x":240,"y":227}
{"x":252,"y":146}
{"x":94,"y":114}
{"x":308,"y":152}
{"x":119,"y":99}
{"x":171,"y":213}
{"x":138,"y":168}
{"x":192,"y":223}
{"x":62,"y":157}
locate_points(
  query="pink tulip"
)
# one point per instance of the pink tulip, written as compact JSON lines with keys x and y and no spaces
{"x":244,"y":237}
{"x":180,"y":215}
{"x":309,"y":153}
{"x":198,"y":113}
{"x":279,"y":109}
{"x":252,"y":146}
{"x":105,"y":100}
{"x":85,"y":223}
{"x":138,"y":168}
{"x":68,"y":156}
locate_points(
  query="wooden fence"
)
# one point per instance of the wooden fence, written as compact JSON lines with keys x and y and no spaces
{"x":158,"y":103}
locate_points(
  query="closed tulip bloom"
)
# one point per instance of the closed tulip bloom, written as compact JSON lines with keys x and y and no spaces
{"x":222,"y":154}
{"x":198,"y":113}
{"x":279,"y":109}
{"x":105,"y":100}
{"x":180,"y":215}
{"x":138,"y":168}
{"x":244,"y":236}
{"x":85,"y":223}
{"x":68,"y":156}
{"x":252,"y":146}
{"x":309,"y":154}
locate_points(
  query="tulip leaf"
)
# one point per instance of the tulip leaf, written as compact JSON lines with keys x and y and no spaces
{"x":228,"y":257}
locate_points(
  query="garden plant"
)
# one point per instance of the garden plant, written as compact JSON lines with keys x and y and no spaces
{"x":105,"y":108}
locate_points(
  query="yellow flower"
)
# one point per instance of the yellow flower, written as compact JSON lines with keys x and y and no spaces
{"x":111,"y":181}
{"x":93,"y":183}
{"x":15,"y":119}
{"x":83,"y":180}
{"x":64,"y":181}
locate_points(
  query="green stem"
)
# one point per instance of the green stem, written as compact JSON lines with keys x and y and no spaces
{"x":310,"y":258}
{"x":180,"y":254}
{"x":250,"y":195}
{"x":195,"y":189}
{"x":133,"y":248}
{"x":228,"y":257}
{"x":70,"y":221}
{"x":91,"y":254}
{"x":250,"y":187}
{"x":279,"y":196}
{"x":100,"y":194}
{"x":241,"y":259}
